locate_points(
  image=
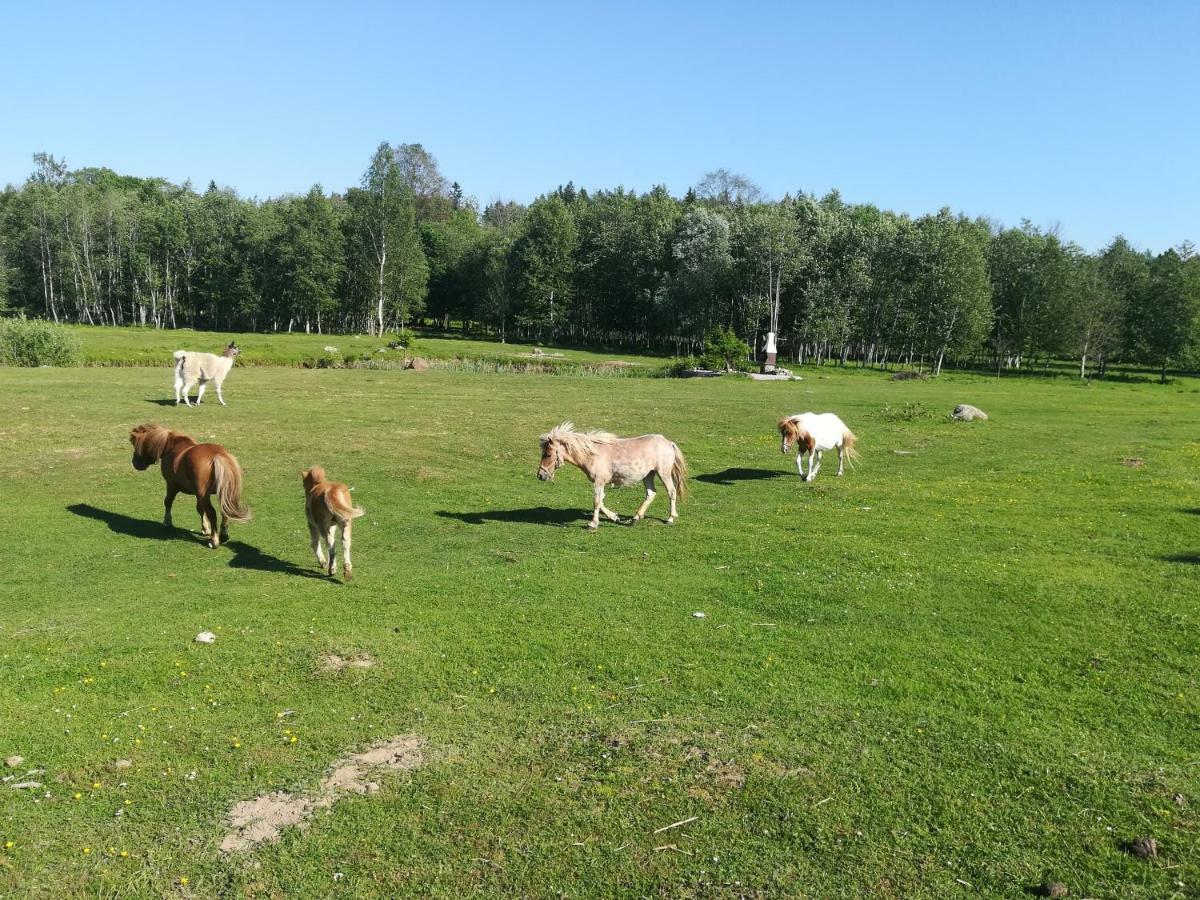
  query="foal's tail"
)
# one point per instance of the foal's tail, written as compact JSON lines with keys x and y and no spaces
{"x":228,"y":475}
{"x":340,"y":509}
{"x":848,"y":442}
{"x":679,"y":473}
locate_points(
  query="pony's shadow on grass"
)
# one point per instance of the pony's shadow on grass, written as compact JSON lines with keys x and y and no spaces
{"x":128,"y":525}
{"x":161,"y":401}
{"x":1191,"y":559}
{"x":734,"y":475}
{"x":246,"y":556}
{"x":535,"y":515}
{"x":1191,"y":510}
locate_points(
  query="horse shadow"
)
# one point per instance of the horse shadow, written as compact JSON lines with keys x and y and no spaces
{"x":128,"y":525}
{"x":535,"y":515}
{"x":245,"y":556}
{"x":161,"y":401}
{"x":1192,"y":559}
{"x":734,"y":475}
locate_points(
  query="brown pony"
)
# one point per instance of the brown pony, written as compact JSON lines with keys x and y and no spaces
{"x":191,"y":468}
{"x":328,"y":507}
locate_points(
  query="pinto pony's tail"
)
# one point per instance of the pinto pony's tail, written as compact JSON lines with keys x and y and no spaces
{"x":848,"y":442}
{"x":228,"y":475}
{"x":342,"y":511}
{"x":679,"y":473}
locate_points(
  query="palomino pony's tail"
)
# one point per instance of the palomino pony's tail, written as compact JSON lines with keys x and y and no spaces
{"x":679,"y":473}
{"x":340,"y":510}
{"x":228,"y":475}
{"x":848,"y":442}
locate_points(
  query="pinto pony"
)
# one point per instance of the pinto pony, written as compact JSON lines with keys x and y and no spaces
{"x":329,"y":509}
{"x":191,"y":468}
{"x":607,"y":459}
{"x":814,"y":433}
{"x":191,"y":367}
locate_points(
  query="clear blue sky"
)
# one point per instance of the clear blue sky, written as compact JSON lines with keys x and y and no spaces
{"x":1077,"y":114}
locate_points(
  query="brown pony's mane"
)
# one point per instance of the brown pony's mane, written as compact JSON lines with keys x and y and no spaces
{"x":577,"y":441}
{"x":313,"y":476}
{"x":150,"y":441}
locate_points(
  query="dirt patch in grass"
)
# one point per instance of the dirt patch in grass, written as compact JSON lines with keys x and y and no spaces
{"x":263,"y":819}
{"x":332,"y":664}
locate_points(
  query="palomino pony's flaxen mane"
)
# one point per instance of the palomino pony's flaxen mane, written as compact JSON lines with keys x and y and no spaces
{"x":607,"y":459}
{"x":813,"y":434}
{"x":191,"y":468}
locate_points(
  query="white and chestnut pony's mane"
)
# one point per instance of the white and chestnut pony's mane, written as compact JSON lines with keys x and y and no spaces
{"x":150,"y":441}
{"x":576,"y":442}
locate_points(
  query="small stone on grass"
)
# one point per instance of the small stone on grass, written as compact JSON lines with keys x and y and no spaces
{"x":205,"y":637}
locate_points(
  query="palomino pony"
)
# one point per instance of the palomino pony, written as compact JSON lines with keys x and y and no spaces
{"x":329,"y":509}
{"x":607,"y":459}
{"x":814,"y":433}
{"x":191,"y":468}
{"x":191,"y":367}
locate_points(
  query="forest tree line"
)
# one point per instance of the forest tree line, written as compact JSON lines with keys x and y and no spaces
{"x":847,"y":283}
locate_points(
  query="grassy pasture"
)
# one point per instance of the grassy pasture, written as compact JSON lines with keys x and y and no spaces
{"x":966,"y":666}
{"x":153,"y":347}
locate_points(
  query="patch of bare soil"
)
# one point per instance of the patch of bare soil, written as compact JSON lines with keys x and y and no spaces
{"x":332,"y":664}
{"x":263,"y":819}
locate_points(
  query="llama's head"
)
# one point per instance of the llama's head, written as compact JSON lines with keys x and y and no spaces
{"x":232,"y":350}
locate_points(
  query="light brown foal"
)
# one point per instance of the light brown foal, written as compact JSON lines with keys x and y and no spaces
{"x":192,"y":468}
{"x":328,"y":506}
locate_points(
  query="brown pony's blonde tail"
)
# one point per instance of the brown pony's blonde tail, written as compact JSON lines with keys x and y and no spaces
{"x":679,"y":474}
{"x":341,"y":510}
{"x":228,"y":475}
{"x":848,"y":442}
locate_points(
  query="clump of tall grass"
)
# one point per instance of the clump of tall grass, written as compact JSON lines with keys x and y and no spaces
{"x":36,"y":342}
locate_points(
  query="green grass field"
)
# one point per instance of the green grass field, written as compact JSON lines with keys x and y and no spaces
{"x":966,"y":667}
{"x":153,"y":347}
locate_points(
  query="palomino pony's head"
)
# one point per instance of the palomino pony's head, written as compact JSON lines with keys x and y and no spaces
{"x":564,"y":444}
{"x":312,"y":477}
{"x":232,"y":350}
{"x":149,"y":442}
{"x":793,"y":433}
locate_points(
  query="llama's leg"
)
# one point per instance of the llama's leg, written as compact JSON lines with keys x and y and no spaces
{"x":187,"y":389}
{"x":170,"y":498}
{"x":317,"y":543}
{"x":219,"y":396}
{"x":648,"y":481}
{"x":672,"y":495}
{"x":178,"y":388}
{"x":200,"y":396}
{"x":597,"y":502}
{"x":347,"y":567}
{"x":330,"y":535}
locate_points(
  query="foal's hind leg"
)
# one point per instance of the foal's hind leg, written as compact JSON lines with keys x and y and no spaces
{"x":347,"y":568}
{"x":330,"y":535}
{"x":841,"y":459}
{"x":318,"y":547}
{"x":648,"y":481}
